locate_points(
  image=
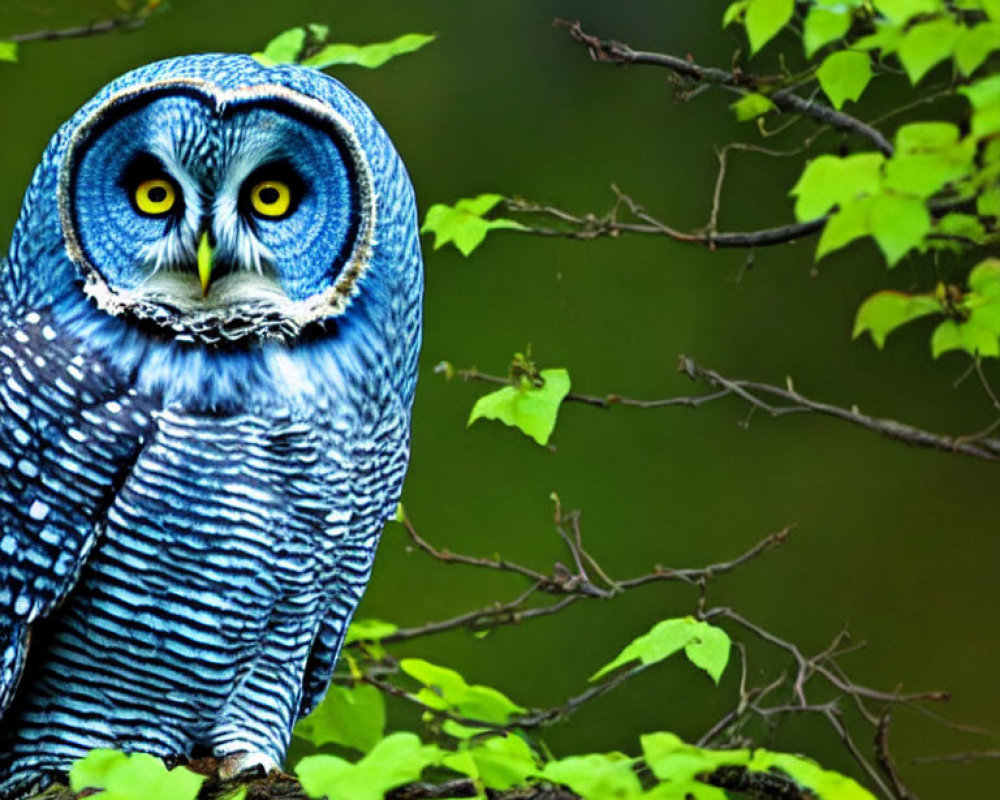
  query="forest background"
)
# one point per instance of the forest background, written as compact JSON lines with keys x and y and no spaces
{"x":897,"y":543}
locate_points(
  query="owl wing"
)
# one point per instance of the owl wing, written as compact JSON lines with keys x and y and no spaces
{"x":362,"y":487}
{"x":69,"y":433}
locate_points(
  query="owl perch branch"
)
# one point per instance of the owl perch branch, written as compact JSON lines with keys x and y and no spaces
{"x":781,"y":401}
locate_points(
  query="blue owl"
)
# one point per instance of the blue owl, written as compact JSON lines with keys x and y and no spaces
{"x":210,"y":319}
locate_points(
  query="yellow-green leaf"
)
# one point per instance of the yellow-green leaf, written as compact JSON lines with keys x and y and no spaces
{"x":398,"y":759}
{"x":764,"y":18}
{"x":927,"y":44}
{"x":830,"y":181}
{"x":844,"y":75}
{"x":368,"y":55}
{"x":446,"y":690}
{"x":921,"y":136}
{"x":463,"y":224}
{"x":705,"y":646}
{"x":349,"y":716}
{"x":503,"y":762}
{"x":824,"y":25}
{"x":843,"y":227}
{"x":734,"y":11}
{"x":972,"y":336}
{"x":133,"y":777}
{"x":902,"y":11}
{"x":8,"y":51}
{"x":975,"y":44}
{"x":984,"y":279}
{"x":883,"y":312}
{"x":898,"y":224}
{"x":597,"y":776}
{"x":369,"y":630}
{"x":531,"y":409}
{"x":751,"y":106}
{"x":822,"y":783}
{"x":285,"y":48}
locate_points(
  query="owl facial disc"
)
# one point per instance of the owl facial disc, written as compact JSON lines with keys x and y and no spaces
{"x":273,"y":182}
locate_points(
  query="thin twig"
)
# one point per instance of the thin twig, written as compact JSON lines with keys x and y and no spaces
{"x":786,"y":99}
{"x":125,"y":24}
{"x":778,"y":401}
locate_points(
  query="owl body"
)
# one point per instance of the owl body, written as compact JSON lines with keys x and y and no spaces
{"x":198,"y":451}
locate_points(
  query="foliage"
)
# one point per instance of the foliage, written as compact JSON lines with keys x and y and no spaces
{"x":935,"y":190}
{"x":133,"y":777}
{"x":464,"y":224}
{"x":531,"y":405}
{"x":705,"y":646}
{"x":309,"y":46}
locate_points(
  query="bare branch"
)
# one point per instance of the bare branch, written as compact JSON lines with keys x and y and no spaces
{"x":127,"y":23}
{"x":785,"y":99}
{"x":590,"y":226}
{"x":778,"y":401}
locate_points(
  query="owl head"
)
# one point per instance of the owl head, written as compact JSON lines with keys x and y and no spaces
{"x":214,"y":200}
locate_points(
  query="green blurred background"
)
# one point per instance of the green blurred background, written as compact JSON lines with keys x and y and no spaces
{"x":899,"y":544}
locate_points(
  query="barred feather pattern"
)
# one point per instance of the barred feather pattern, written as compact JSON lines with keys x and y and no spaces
{"x":186,"y":532}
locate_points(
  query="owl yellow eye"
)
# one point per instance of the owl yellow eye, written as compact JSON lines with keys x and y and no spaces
{"x":155,"y":197}
{"x":271,"y":199}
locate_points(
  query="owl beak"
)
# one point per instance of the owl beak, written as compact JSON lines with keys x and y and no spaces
{"x":206,"y":254}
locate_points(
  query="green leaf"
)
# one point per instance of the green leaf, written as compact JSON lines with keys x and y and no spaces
{"x":368,"y":55}
{"x":984,"y":95}
{"x":670,"y":758}
{"x":849,"y":223}
{"x":446,"y":690}
{"x":369,"y":630}
{"x":922,"y":136}
{"x":751,"y":106}
{"x":764,"y":18}
{"x":734,"y":11}
{"x":966,"y":226}
{"x":531,"y":409}
{"x":463,"y":224}
{"x":705,"y":645}
{"x":133,"y":777}
{"x":285,"y":48}
{"x":972,"y":336}
{"x":596,"y":776}
{"x":398,"y":759}
{"x":988,"y":203}
{"x":830,"y":181}
{"x":927,"y":44}
{"x":679,"y":764}
{"x":822,"y":783}
{"x":503,"y":762}
{"x":8,"y":51}
{"x":352,"y":717}
{"x":883,"y":312}
{"x":886,"y":38}
{"x":844,"y":75}
{"x":898,"y":224}
{"x":984,"y":279}
{"x":975,"y":45}
{"x":923,"y":174}
{"x":824,"y":25}
{"x":902,"y":11}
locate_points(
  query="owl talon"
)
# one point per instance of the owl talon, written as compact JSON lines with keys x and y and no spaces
{"x":238,"y":764}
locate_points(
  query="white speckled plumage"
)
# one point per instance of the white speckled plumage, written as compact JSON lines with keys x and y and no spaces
{"x":192,"y":489}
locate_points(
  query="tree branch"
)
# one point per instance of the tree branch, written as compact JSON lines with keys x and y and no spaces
{"x":785,"y":99}
{"x":127,"y":23}
{"x":778,"y":401}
